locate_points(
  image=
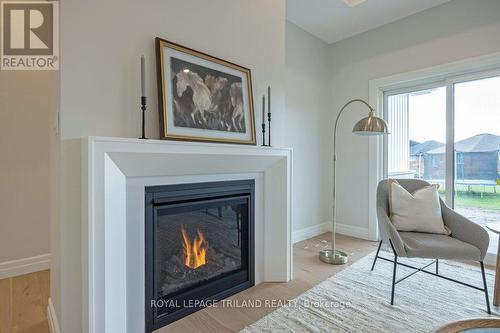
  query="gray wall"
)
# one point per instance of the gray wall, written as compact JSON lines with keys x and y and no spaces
{"x":28,"y":107}
{"x":308,"y":105}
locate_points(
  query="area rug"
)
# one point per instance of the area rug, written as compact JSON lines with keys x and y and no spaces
{"x":358,"y":300}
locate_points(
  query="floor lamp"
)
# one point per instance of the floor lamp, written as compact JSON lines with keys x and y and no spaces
{"x":367,"y":126}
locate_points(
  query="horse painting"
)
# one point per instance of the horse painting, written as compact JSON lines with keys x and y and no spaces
{"x":203,"y":98}
{"x":207,"y":99}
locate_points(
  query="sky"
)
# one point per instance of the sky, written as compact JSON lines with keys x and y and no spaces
{"x":477,"y":110}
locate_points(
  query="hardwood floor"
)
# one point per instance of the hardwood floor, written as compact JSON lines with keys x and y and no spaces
{"x":308,"y":272}
{"x":23,"y":299}
{"x":23,"y":303}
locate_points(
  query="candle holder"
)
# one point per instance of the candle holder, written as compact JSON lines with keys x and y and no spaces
{"x":263,"y":134}
{"x":269,"y":129}
{"x":268,"y":115}
{"x":264,"y":121}
{"x":143,"y":108}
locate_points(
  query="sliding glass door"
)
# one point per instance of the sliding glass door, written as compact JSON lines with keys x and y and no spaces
{"x":448,"y":133}
{"x":476,"y":106}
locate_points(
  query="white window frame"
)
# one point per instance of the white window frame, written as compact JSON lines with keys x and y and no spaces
{"x":448,"y":74}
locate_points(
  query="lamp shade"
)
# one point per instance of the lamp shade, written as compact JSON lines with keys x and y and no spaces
{"x":370,"y":125}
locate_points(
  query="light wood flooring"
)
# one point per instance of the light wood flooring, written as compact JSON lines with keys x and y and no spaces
{"x":23,"y":303}
{"x":308,"y":272}
{"x":23,"y":299}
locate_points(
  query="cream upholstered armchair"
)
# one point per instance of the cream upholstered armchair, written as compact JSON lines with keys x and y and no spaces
{"x":468,"y":241}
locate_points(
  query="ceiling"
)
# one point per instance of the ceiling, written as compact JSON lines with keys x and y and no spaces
{"x":334,"y":20}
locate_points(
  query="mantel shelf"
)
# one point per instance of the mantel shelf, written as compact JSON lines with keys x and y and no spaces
{"x":171,"y":143}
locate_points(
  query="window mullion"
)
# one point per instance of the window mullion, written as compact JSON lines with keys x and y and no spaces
{"x":450,"y":143}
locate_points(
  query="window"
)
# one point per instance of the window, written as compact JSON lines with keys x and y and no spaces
{"x":476,"y":146}
{"x":417,"y":122}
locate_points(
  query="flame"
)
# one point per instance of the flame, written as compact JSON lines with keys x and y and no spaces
{"x":194,"y":253}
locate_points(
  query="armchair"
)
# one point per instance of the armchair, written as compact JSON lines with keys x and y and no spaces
{"x":468,"y":241}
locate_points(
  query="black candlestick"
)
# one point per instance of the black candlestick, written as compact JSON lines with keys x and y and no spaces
{"x":143,"y":108}
{"x":269,"y":114}
{"x":263,"y":134}
{"x":269,"y":128}
{"x":264,"y":120}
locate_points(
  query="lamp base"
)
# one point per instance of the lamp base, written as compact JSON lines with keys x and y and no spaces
{"x":333,"y":257}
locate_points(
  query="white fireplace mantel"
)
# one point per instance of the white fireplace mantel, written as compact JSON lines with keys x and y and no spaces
{"x":115,"y":173}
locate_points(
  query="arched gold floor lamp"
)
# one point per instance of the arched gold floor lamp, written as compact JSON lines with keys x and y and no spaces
{"x":367,"y":126}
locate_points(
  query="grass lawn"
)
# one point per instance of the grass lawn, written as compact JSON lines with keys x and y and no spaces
{"x":472,"y":198}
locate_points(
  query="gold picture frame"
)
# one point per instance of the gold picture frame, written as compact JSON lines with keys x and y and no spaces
{"x":202,"y":97}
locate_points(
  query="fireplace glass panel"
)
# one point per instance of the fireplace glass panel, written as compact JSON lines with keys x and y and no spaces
{"x":196,"y":243}
{"x":199,"y":247}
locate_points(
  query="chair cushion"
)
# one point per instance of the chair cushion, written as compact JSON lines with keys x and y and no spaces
{"x":423,"y":245}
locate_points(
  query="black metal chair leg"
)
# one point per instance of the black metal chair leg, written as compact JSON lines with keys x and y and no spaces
{"x":394,"y":271}
{"x":485,"y":288}
{"x":376,"y":255}
{"x":395,"y":262}
{"x":394,"y":277}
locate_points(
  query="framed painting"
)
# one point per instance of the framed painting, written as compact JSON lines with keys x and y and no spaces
{"x":203,"y":98}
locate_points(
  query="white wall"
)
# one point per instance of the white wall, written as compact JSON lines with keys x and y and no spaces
{"x":456,"y":30}
{"x":308,"y":104}
{"x":101,"y":43}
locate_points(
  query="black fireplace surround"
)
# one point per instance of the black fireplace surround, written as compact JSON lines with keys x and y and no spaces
{"x":199,"y":247}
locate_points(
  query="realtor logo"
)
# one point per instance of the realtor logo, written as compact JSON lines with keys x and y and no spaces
{"x":29,"y":31}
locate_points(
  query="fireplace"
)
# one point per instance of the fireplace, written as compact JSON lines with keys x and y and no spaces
{"x":199,"y":246}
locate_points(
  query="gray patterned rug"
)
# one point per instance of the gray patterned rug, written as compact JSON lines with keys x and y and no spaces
{"x":358,"y":300}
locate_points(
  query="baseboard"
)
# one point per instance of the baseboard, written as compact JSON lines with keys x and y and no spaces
{"x":312,"y":231}
{"x":24,"y":266}
{"x":52,"y":318}
{"x":353,"y":231}
{"x":490,"y":259}
{"x":318,"y":229}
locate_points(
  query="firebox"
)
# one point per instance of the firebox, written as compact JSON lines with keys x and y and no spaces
{"x":199,"y":247}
